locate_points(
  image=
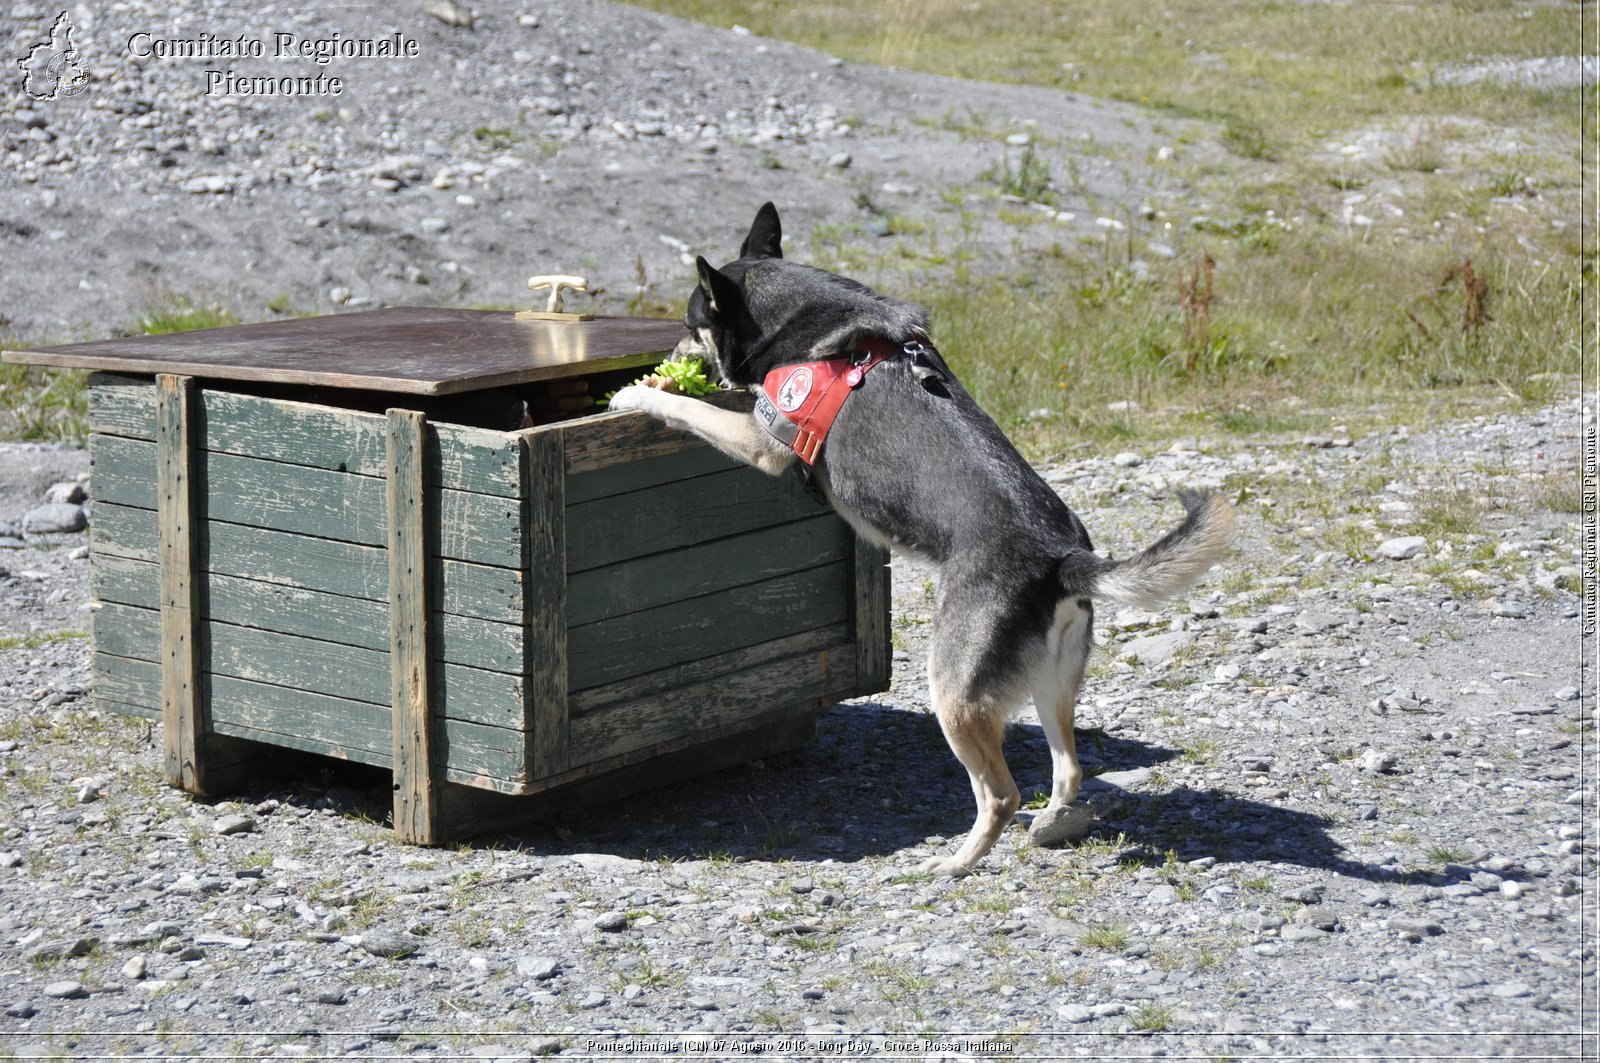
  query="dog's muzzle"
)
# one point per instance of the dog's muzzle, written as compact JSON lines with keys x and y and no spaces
{"x":689,"y":347}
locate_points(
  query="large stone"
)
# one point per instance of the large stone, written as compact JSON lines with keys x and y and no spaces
{"x":1155,"y":649}
{"x":1404,"y":548}
{"x":1061,"y":825}
{"x":67,"y":492}
{"x":55,"y":518}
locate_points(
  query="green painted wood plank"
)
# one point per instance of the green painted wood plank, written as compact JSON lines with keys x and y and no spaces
{"x":352,"y":730}
{"x":647,"y":472}
{"x":122,"y":405}
{"x":270,"y":657}
{"x":807,"y":682}
{"x":716,"y":623}
{"x":130,"y":686}
{"x":123,"y":531}
{"x":124,"y":631}
{"x":292,"y":498}
{"x":313,"y":614}
{"x":299,"y":719}
{"x":835,"y":638}
{"x":674,"y":515}
{"x":545,"y":623}
{"x":318,"y":436}
{"x":350,"y":569}
{"x":645,"y":583}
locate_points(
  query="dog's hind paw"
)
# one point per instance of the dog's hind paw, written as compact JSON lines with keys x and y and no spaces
{"x":948,"y":866}
{"x":1057,"y":826}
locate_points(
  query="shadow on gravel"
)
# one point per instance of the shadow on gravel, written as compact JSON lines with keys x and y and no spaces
{"x":879,"y":780}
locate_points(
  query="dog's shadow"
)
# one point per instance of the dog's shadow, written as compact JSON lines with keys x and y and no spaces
{"x":879,"y":780}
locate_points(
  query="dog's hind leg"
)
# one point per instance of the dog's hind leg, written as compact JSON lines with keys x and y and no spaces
{"x":975,"y":732}
{"x":1056,"y":697}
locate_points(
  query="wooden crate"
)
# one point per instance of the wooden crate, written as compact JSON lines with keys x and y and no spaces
{"x":482,"y":612}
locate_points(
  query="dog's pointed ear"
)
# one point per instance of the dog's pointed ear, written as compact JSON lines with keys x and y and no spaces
{"x":766,"y":235}
{"x":724,"y":295}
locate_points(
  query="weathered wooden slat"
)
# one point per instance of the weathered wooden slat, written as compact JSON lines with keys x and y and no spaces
{"x":623,"y":477}
{"x":300,"y":433}
{"x":624,"y":437}
{"x":183,"y":725}
{"x":123,"y":531}
{"x":314,"y":723}
{"x":813,"y":680}
{"x":125,"y":685}
{"x":545,"y":625}
{"x":680,"y":514}
{"x":311,"y":563}
{"x":332,"y":505}
{"x":834,"y":637}
{"x":475,"y":811}
{"x":411,"y":688}
{"x":313,"y":614}
{"x":716,"y":623}
{"x":122,"y":405}
{"x":869,"y":610}
{"x":648,"y":582}
{"x":340,"y":671}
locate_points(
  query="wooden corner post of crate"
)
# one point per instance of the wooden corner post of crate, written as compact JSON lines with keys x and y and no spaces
{"x":544,"y":624}
{"x":416,"y":804}
{"x":182,"y":719}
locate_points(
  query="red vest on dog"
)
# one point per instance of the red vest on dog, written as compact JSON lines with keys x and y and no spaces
{"x":797,"y":404}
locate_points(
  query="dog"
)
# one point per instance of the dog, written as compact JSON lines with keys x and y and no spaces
{"x":912,"y":462}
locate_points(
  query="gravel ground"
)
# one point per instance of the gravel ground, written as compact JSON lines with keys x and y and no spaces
{"x":1343,"y":811}
{"x":1343,"y":796}
{"x":573,"y":138}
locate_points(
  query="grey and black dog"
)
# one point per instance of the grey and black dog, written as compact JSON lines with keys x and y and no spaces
{"x":913,"y":462}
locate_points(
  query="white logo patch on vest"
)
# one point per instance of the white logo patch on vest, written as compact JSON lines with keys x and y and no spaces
{"x":795,"y":390}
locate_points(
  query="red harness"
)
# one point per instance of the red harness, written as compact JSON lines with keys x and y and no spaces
{"x":797,"y":404}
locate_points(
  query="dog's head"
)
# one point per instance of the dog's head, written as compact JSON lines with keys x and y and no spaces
{"x":759,"y":311}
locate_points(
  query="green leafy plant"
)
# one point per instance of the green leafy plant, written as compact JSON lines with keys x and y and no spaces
{"x":688,"y":377}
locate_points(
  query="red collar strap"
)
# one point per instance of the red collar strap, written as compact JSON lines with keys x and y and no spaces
{"x":797,"y":404}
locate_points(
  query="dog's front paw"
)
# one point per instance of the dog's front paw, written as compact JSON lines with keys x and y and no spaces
{"x":947,"y":866}
{"x":633,"y":397}
{"x":1057,"y":826}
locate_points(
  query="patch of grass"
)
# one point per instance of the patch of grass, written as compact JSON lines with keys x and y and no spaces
{"x":1247,"y":140}
{"x":1152,"y":1017}
{"x":181,"y":314}
{"x":1029,"y":181}
{"x":496,"y":139}
{"x":1558,"y":491}
{"x":1448,"y":513}
{"x":42,"y":405}
{"x":1421,"y":150}
{"x":1112,"y":937}
{"x":34,"y":639}
{"x":1449,"y":854}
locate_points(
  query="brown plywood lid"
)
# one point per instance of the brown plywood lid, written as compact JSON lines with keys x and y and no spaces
{"x":412,"y":350}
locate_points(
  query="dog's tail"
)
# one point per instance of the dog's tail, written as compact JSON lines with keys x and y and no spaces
{"x":1175,"y":561}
